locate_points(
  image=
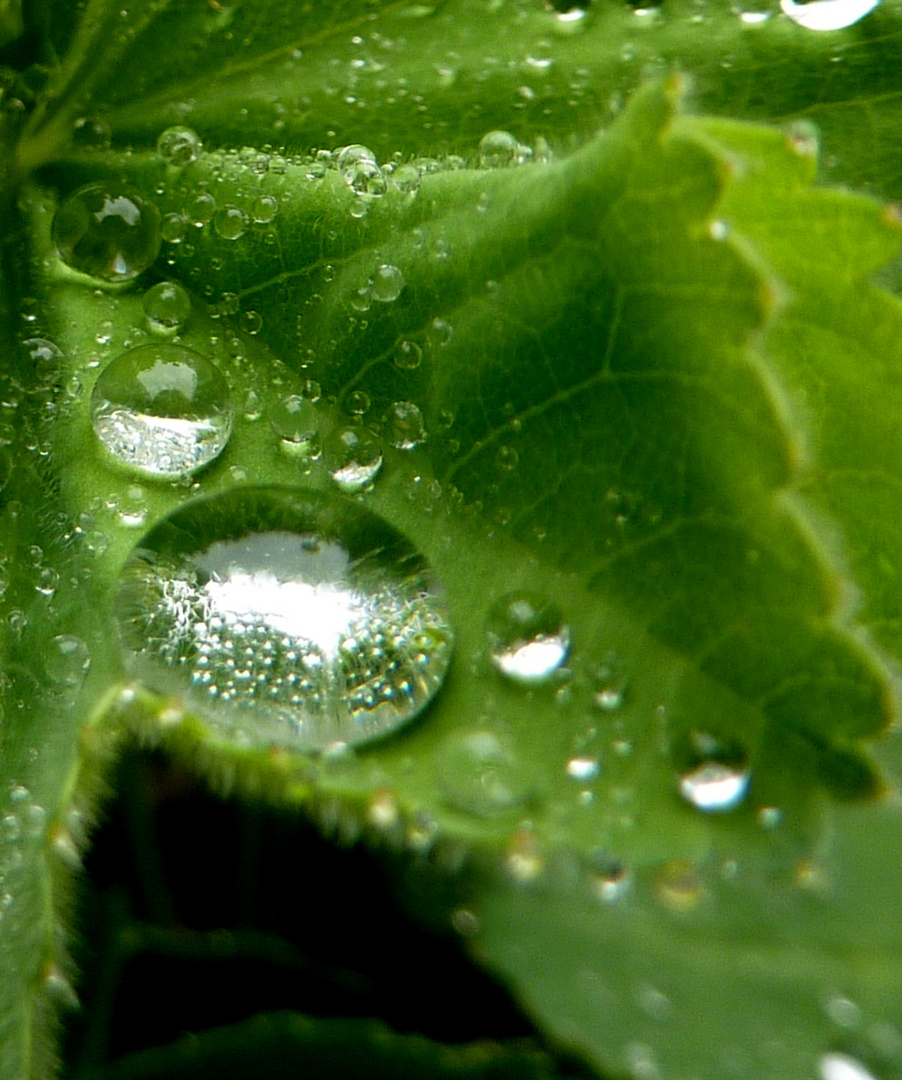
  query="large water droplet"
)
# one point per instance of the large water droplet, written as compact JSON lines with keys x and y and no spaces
{"x":827,"y":14}
{"x":287,"y":616}
{"x":179,"y":146}
{"x":107,"y":231}
{"x":527,"y":638}
{"x":163,"y":410}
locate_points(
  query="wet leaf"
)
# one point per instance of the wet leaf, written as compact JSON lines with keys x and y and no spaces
{"x":628,"y":390}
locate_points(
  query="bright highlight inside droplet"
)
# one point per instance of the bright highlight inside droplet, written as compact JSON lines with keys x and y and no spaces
{"x":827,"y":14}
{"x":285,"y":616}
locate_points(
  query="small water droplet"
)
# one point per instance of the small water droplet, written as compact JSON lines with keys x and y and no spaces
{"x":295,"y":421}
{"x":843,"y":1011}
{"x":179,"y":146}
{"x":714,"y":773}
{"x":357,"y":402}
{"x":107,"y":232}
{"x":406,"y":428}
{"x":583,"y":768}
{"x":230,"y":222}
{"x":678,"y":887}
{"x":438,"y":333}
{"x":358,"y":168}
{"x":163,"y":410}
{"x":166,"y":307}
{"x":406,"y":178}
{"x":754,"y":12}
{"x":498,"y":149}
{"x":285,"y":615}
{"x":91,"y":133}
{"x":769,"y":817}
{"x":408,"y":355}
{"x":611,"y":878}
{"x":507,"y":459}
{"x":527,"y":638}
{"x":67,"y":660}
{"x":173,"y":228}
{"x":353,"y":456}
{"x":201,"y":209}
{"x":842,"y":1067}
{"x":827,"y":14}
{"x":387,"y":284}
{"x":265,"y":209}
{"x":480,"y":775}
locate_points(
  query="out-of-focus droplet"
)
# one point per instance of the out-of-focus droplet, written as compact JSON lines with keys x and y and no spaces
{"x":827,"y":14}
{"x":480,"y":775}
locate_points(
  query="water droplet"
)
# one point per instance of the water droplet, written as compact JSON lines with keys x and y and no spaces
{"x":842,"y":1067}
{"x":230,"y":222}
{"x":438,"y":333}
{"x":406,"y":428}
{"x":179,"y":146}
{"x":498,"y":149}
{"x":107,"y":232}
{"x":610,"y":877}
{"x":803,"y":137}
{"x":357,"y":165}
{"x":387,"y":284}
{"x":173,"y":228}
{"x":583,"y":768}
{"x":67,"y":660}
{"x":480,"y":775}
{"x":353,"y":456}
{"x":527,"y":638}
{"x":754,"y":12}
{"x":163,"y":410}
{"x":166,"y":307}
{"x":843,"y":1011}
{"x":406,"y":178}
{"x":295,"y":421}
{"x":265,"y":209}
{"x":714,"y":772}
{"x":827,"y":14}
{"x":507,"y":458}
{"x":769,"y":817}
{"x":678,"y":886}
{"x":91,"y":133}
{"x":202,"y":209}
{"x":408,"y":355}
{"x":357,"y":402}
{"x":285,"y":615}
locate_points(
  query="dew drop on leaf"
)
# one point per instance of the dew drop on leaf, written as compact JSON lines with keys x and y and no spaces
{"x":230,"y":222}
{"x":179,"y":146}
{"x":754,"y":12}
{"x":842,"y":1067}
{"x":387,"y":284}
{"x":480,"y":775}
{"x":166,"y":307}
{"x":162,"y":410}
{"x":583,"y":768}
{"x":406,"y":178}
{"x":610,"y":877}
{"x":498,"y":149}
{"x":295,"y":421}
{"x":714,"y":773}
{"x":107,"y":232}
{"x":827,"y":14}
{"x":405,"y":425}
{"x":265,"y":209}
{"x":408,"y":355}
{"x":67,"y":660}
{"x":353,"y":456}
{"x":527,"y":638}
{"x":286,"y":616}
{"x":91,"y":133}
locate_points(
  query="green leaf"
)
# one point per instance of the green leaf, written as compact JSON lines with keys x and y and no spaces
{"x":659,"y":393}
